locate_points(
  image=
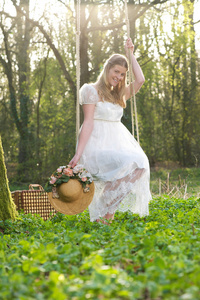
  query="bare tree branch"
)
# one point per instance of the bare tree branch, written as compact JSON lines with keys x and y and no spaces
{"x":109,"y":27}
{"x":7,"y":15}
{"x":138,"y":15}
{"x":3,"y":62}
{"x":196,"y":22}
{"x":53,"y":47}
{"x":8,"y":71}
{"x":146,"y":7}
{"x":67,"y":6}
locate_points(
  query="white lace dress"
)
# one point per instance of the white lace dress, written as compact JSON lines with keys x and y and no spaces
{"x":117,"y":163}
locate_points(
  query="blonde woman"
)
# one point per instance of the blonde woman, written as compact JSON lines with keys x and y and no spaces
{"x":106,"y":148}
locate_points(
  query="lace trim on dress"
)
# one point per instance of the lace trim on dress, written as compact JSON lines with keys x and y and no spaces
{"x":128,"y":193}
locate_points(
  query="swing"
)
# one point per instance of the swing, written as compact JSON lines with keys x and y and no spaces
{"x":36,"y":201}
{"x":78,"y":68}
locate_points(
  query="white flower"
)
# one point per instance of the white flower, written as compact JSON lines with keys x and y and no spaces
{"x":77,"y":169}
{"x":85,"y":174}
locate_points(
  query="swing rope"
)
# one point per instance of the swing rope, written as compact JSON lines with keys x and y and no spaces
{"x":78,"y":70}
{"x":131,"y":80}
{"x":78,"y":67}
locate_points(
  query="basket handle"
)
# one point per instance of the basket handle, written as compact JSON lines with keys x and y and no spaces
{"x":32,"y":186}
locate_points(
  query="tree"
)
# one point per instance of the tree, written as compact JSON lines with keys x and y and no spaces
{"x":18,"y":81}
{"x":7,"y":206}
{"x":57,"y":114}
{"x":178,"y":85}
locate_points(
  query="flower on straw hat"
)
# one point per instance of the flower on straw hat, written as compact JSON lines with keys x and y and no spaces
{"x":70,"y":190}
{"x":64,"y":173}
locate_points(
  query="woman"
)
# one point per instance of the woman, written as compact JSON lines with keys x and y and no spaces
{"x":108,"y":151}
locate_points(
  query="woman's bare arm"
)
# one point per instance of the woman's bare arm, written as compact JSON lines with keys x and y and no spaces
{"x":86,"y":131}
{"x":137,"y":71}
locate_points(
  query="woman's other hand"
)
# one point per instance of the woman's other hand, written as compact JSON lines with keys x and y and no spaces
{"x":74,"y":160}
{"x":129,"y":46}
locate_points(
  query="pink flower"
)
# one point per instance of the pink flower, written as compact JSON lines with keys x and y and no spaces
{"x":59,"y":170}
{"x":68,"y":172}
{"x":53,"y":180}
{"x":84,"y":179}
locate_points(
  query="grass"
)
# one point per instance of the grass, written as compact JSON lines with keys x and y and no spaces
{"x":68,"y":257}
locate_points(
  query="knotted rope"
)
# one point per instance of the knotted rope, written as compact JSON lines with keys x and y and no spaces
{"x":131,"y":80}
{"x":78,"y":67}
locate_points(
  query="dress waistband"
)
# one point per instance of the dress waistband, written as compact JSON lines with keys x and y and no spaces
{"x":107,"y":120}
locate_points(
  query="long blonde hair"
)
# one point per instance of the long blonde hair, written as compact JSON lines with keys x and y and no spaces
{"x":117,"y":94}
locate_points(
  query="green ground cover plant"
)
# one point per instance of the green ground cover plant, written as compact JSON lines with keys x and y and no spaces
{"x":68,"y":257}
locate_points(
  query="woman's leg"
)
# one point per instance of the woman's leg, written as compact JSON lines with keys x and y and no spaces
{"x":107,"y":219}
{"x":110,"y":186}
{"x":129,"y":178}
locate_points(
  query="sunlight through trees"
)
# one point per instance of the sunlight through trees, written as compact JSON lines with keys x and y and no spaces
{"x":38,"y":77}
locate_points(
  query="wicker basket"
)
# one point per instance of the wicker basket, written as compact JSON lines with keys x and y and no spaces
{"x":34,"y":201}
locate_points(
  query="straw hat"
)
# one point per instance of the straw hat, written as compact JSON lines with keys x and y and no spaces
{"x":71,"y":198}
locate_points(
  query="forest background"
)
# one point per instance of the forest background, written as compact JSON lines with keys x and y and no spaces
{"x":38,"y":78}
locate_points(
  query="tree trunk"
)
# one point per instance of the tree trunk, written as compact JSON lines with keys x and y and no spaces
{"x":23,"y":39}
{"x":19,"y":90}
{"x":189,"y":87}
{"x":7,"y":206}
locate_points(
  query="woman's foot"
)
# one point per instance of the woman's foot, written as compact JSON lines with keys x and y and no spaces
{"x":102,"y":221}
{"x":107,"y":219}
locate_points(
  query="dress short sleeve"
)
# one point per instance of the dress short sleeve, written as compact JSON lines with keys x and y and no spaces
{"x":88,"y":94}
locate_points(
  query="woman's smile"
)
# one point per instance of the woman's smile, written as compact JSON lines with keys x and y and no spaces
{"x":116,"y":74}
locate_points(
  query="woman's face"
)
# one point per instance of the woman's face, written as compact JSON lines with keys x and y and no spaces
{"x":116,"y":74}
